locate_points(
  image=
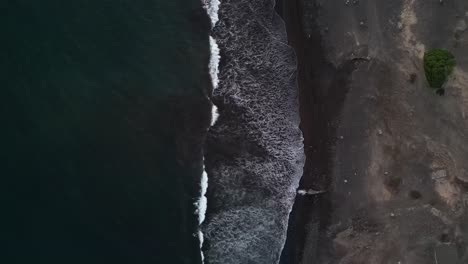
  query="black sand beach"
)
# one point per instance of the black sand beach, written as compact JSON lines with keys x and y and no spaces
{"x":322,"y":89}
{"x":388,"y":153}
{"x":107,"y":105}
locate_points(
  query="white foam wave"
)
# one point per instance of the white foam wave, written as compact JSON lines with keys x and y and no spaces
{"x":200,"y":237}
{"x":212,"y":7}
{"x":214,"y":62}
{"x":201,"y":207}
{"x":309,"y":192}
{"x":214,"y":115}
{"x":202,"y":203}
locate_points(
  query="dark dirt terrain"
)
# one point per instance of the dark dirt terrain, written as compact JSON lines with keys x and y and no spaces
{"x":397,"y":175}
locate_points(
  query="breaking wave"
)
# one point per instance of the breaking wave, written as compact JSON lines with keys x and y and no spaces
{"x":254,"y":152}
{"x":309,"y":192}
{"x":212,"y":9}
{"x":214,"y":71}
{"x":214,"y":62}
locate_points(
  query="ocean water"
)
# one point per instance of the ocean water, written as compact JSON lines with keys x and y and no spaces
{"x":105,"y":107}
{"x":254,"y":151}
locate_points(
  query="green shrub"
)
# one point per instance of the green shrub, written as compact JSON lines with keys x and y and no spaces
{"x":438,"y":65}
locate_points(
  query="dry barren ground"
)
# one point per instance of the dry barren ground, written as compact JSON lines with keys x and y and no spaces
{"x":401,"y":166}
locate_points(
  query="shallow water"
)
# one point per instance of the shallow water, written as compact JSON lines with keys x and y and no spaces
{"x":254,"y":151}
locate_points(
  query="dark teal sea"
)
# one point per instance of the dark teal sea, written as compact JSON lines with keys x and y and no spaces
{"x":102,"y":116}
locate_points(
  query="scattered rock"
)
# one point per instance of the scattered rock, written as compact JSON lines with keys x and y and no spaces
{"x":461,"y":25}
{"x":444,"y":237}
{"x":440,"y":92}
{"x":400,"y":26}
{"x":436,"y":212}
{"x":341,"y":137}
{"x":393,"y":184}
{"x":465,"y":199}
{"x":412,"y":78}
{"x":379,"y":131}
{"x":439,"y":174}
{"x":415,"y":195}
{"x":463,"y":178}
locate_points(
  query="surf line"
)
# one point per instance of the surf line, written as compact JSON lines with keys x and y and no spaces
{"x":211,"y":7}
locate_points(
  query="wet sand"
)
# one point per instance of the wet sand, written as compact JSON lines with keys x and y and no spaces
{"x":322,"y":89}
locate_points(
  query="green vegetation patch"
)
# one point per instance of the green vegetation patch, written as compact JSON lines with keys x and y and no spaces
{"x":438,"y":65}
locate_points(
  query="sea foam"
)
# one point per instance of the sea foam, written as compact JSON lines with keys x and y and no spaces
{"x":254,"y":153}
{"x":211,"y":7}
{"x":214,"y":62}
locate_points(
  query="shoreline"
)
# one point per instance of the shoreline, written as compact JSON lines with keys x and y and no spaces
{"x":393,"y":171}
{"x":322,"y":91}
{"x":211,"y":8}
{"x":254,"y":151}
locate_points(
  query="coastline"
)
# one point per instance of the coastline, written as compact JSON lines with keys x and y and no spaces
{"x":387,"y":151}
{"x":254,"y":151}
{"x":211,"y":8}
{"x":322,"y":91}
{"x":363,"y":124}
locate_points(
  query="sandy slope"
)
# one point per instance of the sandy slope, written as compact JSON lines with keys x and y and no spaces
{"x":400,"y":170}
